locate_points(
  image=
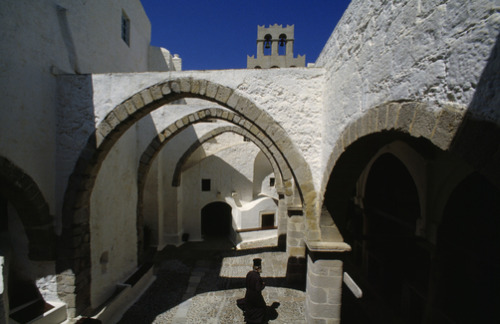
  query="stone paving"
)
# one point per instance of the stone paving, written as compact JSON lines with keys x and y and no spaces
{"x":200,"y":282}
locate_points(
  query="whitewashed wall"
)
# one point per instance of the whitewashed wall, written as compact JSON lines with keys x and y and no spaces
{"x":113,"y":219}
{"x":380,"y":51}
{"x":39,"y":39}
{"x":230,"y":170}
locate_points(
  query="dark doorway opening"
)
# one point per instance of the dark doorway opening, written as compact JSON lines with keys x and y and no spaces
{"x":467,"y":283}
{"x":216,"y":220}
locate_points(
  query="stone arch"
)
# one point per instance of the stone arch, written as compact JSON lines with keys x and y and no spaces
{"x":410,"y":158}
{"x":237,"y":130}
{"x":76,"y":207}
{"x":416,"y":119}
{"x":172,"y":130}
{"x":23,"y":193}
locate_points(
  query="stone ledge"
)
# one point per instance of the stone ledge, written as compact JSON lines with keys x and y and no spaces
{"x":321,"y":246}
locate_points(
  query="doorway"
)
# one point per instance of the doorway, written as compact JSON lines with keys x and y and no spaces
{"x":216,"y":220}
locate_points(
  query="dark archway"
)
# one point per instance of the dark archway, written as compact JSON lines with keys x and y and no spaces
{"x":216,"y":220}
{"x":395,"y":267}
{"x":467,"y":282}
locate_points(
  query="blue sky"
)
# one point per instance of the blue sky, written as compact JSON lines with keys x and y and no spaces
{"x":219,"y":34}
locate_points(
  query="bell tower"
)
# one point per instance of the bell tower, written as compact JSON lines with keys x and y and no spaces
{"x":275,"y":48}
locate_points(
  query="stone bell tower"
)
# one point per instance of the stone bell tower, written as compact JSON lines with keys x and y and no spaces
{"x":275,"y":49}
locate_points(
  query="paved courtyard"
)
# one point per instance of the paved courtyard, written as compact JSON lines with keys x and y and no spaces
{"x":200,"y":282}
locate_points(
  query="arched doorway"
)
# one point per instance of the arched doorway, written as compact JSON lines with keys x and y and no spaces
{"x":216,"y":220}
{"x":394,"y":263}
{"x":467,"y":282}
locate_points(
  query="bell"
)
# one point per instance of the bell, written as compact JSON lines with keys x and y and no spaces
{"x":268,"y":44}
{"x":282,"y":42}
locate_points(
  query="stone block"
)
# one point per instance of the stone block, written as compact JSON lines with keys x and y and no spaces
{"x":104,"y":129}
{"x":172,"y":128}
{"x":334,"y":296}
{"x":331,"y":282}
{"x":424,"y":122}
{"x":316,"y":294}
{"x":392,"y":115}
{"x":121,"y":112}
{"x":449,"y":121}
{"x":130,"y":107}
{"x":233,"y":99}
{"x":405,"y":116}
{"x":382,"y":117}
{"x":230,"y":116}
{"x":211,"y":90}
{"x":147,"y":98}
{"x":243,"y":106}
{"x":137,"y":101}
{"x":203,"y":87}
{"x":326,"y":311}
{"x":112,"y":120}
{"x":165,"y":89}
{"x":223,"y":94}
{"x":156,"y":92}
{"x":185,"y":85}
{"x":264,"y":120}
{"x":175,"y":87}
{"x":195,"y":86}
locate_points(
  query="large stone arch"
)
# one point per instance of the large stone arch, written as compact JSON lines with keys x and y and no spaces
{"x":214,"y":133}
{"x":23,"y":193}
{"x":175,"y":128}
{"x":416,"y":119}
{"x":74,"y":262}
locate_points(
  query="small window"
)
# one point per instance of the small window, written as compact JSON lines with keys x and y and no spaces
{"x":272,"y":181}
{"x":125,"y":28}
{"x":246,"y":139}
{"x":267,"y":220}
{"x":205,"y":184}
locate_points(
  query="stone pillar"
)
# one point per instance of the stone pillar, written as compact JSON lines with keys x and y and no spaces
{"x":260,"y":49}
{"x":282,"y":222}
{"x":295,"y":247}
{"x":274,"y":47}
{"x":324,"y":287}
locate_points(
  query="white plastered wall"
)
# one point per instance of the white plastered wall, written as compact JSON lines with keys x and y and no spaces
{"x":113,"y":219}
{"x":405,"y":50}
{"x":230,"y":170}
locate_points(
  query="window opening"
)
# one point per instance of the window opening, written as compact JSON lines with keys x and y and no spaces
{"x":267,"y":44}
{"x":282,"y":45}
{"x":205,"y":184}
{"x":267,"y":220}
{"x":272,"y":182}
{"x":125,"y":28}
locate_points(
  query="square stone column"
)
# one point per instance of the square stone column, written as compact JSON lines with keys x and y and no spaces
{"x":295,"y":247}
{"x":282,"y":221}
{"x":325,"y":268}
{"x":323,"y":291}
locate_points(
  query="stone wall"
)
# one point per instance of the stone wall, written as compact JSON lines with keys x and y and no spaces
{"x":429,"y":51}
{"x":47,"y":37}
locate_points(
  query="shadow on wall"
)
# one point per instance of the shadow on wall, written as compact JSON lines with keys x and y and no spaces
{"x":478,"y":136}
{"x":76,"y":123}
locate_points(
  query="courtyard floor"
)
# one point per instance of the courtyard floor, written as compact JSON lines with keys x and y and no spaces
{"x":199,"y":282}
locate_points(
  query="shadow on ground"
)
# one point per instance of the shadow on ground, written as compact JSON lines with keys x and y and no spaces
{"x":199,"y":282}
